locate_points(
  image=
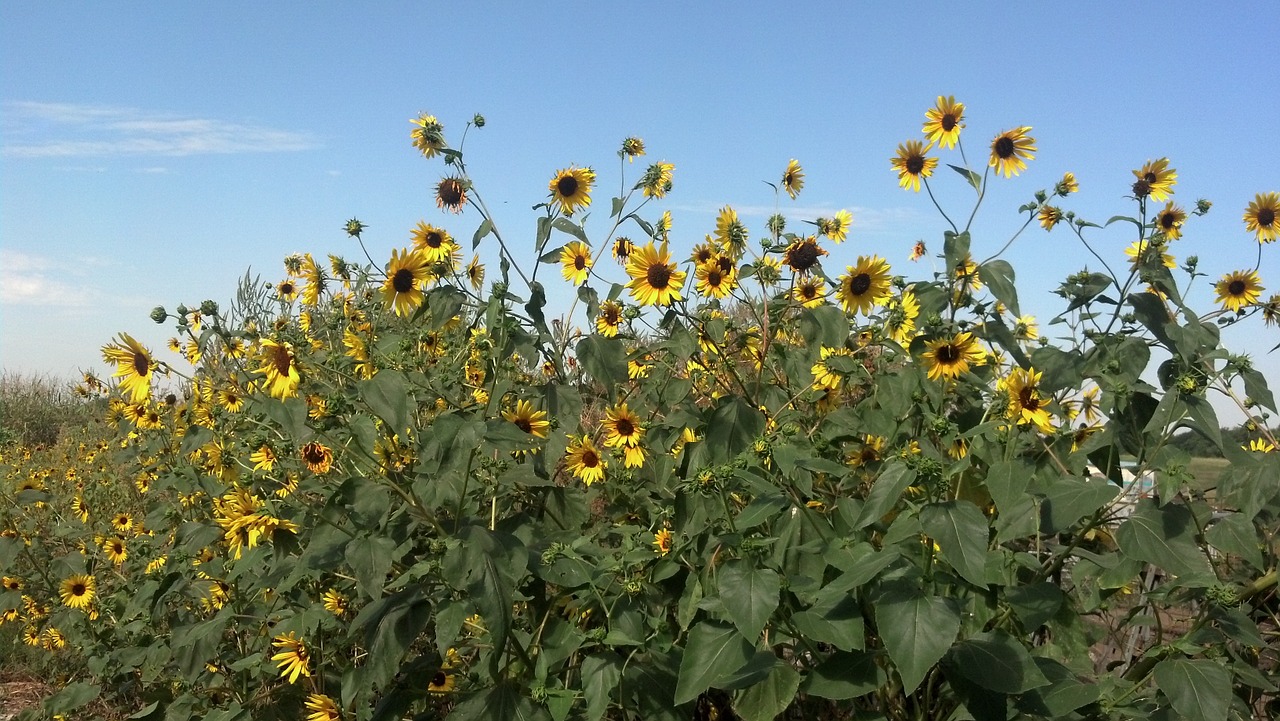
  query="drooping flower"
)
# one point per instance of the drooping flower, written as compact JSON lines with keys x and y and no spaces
{"x":1067,"y":185}
{"x":803,"y":254}
{"x":571,"y":188}
{"x":1238,"y":289}
{"x":1049,"y":216}
{"x":1011,"y":149}
{"x":836,"y":228}
{"x":944,"y":121}
{"x":731,"y":234}
{"x":318,"y":457}
{"x":428,"y":136}
{"x":631,"y":147}
{"x":912,"y":164}
{"x":656,"y":182}
{"x":322,"y":708}
{"x":451,"y":194}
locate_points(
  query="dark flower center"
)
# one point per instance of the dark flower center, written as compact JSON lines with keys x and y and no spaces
{"x":141,"y":363}
{"x":281,"y":360}
{"x":948,"y":122}
{"x":79,"y":589}
{"x":1237,"y":287}
{"x":434,"y":239}
{"x":914,"y":164}
{"x":1168,"y":221}
{"x":590,"y":459}
{"x":1004,"y":147}
{"x":402,"y":281}
{"x":449,"y":193}
{"x":947,"y":354}
{"x":1151,"y":178}
{"x":625,"y":427}
{"x":438,"y":680}
{"x":567,"y":186}
{"x":808,"y":292}
{"x":726,"y":265}
{"x":579,"y":262}
{"x":524,"y":425}
{"x":313,"y":454}
{"x":1141,"y":189}
{"x":611,"y":315}
{"x":1028,"y":400}
{"x":659,"y":276}
{"x":714,"y":278}
{"x":803,"y":257}
{"x":1266,"y":217}
{"x":860,"y":284}
{"x":286,"y":288}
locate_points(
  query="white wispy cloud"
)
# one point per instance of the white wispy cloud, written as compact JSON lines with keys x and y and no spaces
{"x":27,"y":279}
{"x":65,"y":130}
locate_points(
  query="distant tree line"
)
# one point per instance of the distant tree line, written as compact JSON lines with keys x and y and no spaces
{"x":1200,"y":447}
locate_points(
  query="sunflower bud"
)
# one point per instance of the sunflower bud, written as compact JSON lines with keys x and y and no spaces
{"x":777,"y":224}
{"x":1203,"y":206}
{"x":354,"y":228}
{"x":159,"y":315}
{"x":209,"y":308}
{"x":478,"y":120}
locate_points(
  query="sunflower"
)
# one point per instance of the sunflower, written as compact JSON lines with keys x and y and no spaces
{"x":115,"y":550}
{"x":865,"y":285}
{"x":824,"y":376}
{"x":122,"y":522}
{"x":1143,"y":252}
{"x":428,"y":136}
{"x":1011,"y":149}
{"x":434,"y":243}
{"x":77,"y":591}
{"x":1025,"y":404}
{"x":451,"y":194}
{"x":1025,"y":328}
{"x":900,"y":322}
{"x":318,"y":457}
{"x":407,"y":273}
{"x":1049,"y":216}
{"x":134,"y":366}
{"x":475,"y":273}
{"x":527,"y":419}
{"x":1271,"y":310}
{"x":809,"y":291}
{"x":576,"y":259}
{"x":656,"y":181}
{"x":622,"y":427}
{"x":609,"y":319}
{"x":654,"y":278}
{"x":731,"y":234}
{"x":949,"y":357}
{"x":280,"y":368}
{"x":793,"y":178}
{"x":264,"y":459}
{"x":1260,"y":445}
{"x":918,"y":250}
{"x":322,"y":708}
{"x":1169,"y":221}
{"x":912,"y":164}
{"x":335,"y":602}
{"x":714,"y":281}
{"x":622,"y":248}
{"x":11,"y":583}
{"x":1067,"y":185}
{"x":662,"y":542}
{"x":441,"y":682}
{"x":631,"y":147}
{"x":287,"y":290}
{"x":583,"y":459}
{"x":803,"y":254}
{"x":1155,"y":179}
{"x":571,"y":188}
{"x":837,"y":228}
{"x":293,"y":657}
{"x":1260,"y":217}
{"x":944,"y":121}
{"x":1239,"y":289}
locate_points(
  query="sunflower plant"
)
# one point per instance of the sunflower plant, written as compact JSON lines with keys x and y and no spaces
{"x":764,"y":479}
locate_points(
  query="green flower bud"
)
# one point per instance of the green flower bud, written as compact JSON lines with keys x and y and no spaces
{"x":159,"y":315}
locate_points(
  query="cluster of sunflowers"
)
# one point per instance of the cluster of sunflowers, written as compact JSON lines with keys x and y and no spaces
{"x":732,"y":484}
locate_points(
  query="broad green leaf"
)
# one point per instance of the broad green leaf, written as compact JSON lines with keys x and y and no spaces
{"x":370,"y":559}
{"x":714,"y":651}
{"x":1200,"y":690}
{"x":1070,"y":499}
{"x":291,"y":414}
{"x":441,"y":304}
{"x":564,"y":225}
{"x":997,"y":661}
{"x":960,"y":529}
{"x":825,"y":325}
{"x":999,"y":277}
{"x":1236,"y":534}
{"x":917,"y":629}
{"x":749,"y":595}
{"x":71,"y":697}
{"x":391,"y":637}
{"x":387,"y":394}
{"x":504,"y":702}
{"x":1166,"y":537}
{"x":769,"y":698}
{"x":845,"y":675}
{"x":1063,"y":694}
{"x":486,"y":227}
{"x":955,"y":248}
{"x":973,"y":178}
{"x":839,"y":624}
{"x":1035,"y":604}
{"x":1255,"y":387}
{"x":600,"y":675}
{"x":733,"y":425}
{"x":605,"y":359}
{"x":1007,"y":482}
{"x":889,"y":485}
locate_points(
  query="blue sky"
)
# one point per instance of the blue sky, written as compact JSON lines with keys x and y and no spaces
{"x":150,"y":154}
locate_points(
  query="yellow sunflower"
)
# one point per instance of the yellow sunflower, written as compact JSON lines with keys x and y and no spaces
{"x":280,"y":368}
{"x":809,"y":291}
{"x":428,"y":136}
{"x":662,"y":542}
{"x":77,"y":591}
{"x":1155,"y":179}
{"x":1238,"y":289}
{"x":408,"y":272}
{"x":441,"y":682}
{"x":944,"y":121}
{"x":1011,"y":149}
{"x":654,"y":278}
{"x":731,"y":234}
{"x":475,"y":273}
{"x":451,"y":194}
{"x":322,"y":708}
{"x":1026,"y":406}
{"x":865,"y":285}
{"x":335,"y":602}
{"x":230,"y":399}
{"x":293,"y":658}
{"x":571,"y":188}
{"x":793,"y":178}
{"x":1260,"y":217}
{"x":122,"y":522}
{"x":115,"y":550}
{"x":912,"y":164}
{"x":622,"y":427}
{"x":1067,"y":185}
{"x":435,"y":244}
{"x":263,"y":459}
{"x":803,"y":254}
{"x":824,"y":376}
{"x":1169,"y":221}
{"x":631,"y":147}
{"x":622,"y":248}
{"x":584,"y":461}
{"x":714,"y":281}
{"x":287,"y":290}
{"x":134,"y":366}
{"x":900,"y":322}
{"x":533,"y":422}
{"x":949,"y":357}
{"x":656,"y":181}
{"x":1144,"y":252}
{"x":575,"y":258}
{"x":1049,"y":216}
{"x":609,"y":319}
{"x":836,"y":228}
{"x":318,"y":457}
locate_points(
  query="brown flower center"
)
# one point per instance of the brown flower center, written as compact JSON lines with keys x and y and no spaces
{"x":579,"y":262}
{"x":590,"y":459}
{"x":914,"y":164}
{"x":659,"y":276}
{"x":714,"y":278}
{"x":1141,"y":189}
{"x":79,"y":589}
{"x":947,"y":354}
{"x":1151,"y":178}
{"x":402,"y":281}
{"x":611,"y":315}
{"x":567,"y":186}
{"x":450,"y":195}
{"x":141,"y":363}
{"x":313,"y":454}
{"x":1027,"y":399}
{"x":1168,"y":221}
{"x":860,"y":284}
{"x":1266,"y":217}
{"x":439,"y":680}
{"x":625,"y":427}
{"x":524,"y":425}
{"x":1004,"y":147}
{"x":948,"y":122}
{"x":1237,"y":287}
{"x":281,"y":359}
{"x":803,"y":256}
{"x":434,"y":239}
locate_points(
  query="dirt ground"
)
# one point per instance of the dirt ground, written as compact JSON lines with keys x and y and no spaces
{"x":17,"y":695}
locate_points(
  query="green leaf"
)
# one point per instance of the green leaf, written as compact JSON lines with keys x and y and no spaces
{"x":600,"y":675}
{"x":769,"y":698}
{"x":370,"y":559}
{"x":485,"y":228}
{"x":291,"y":414}
{"x":714,"y":651}
{"x":1115,"y":218}
{"x":1200,"y":690}
{"x":1255,"y":387}
{"x":1007,"y":482}
{"x":1236,"y":534}
{"x":845,"y":675}
{"x":839,"y":624}
{"x":1166,"y":537}
{"x":917,"y":629}
{"x":441,"y":304}
{"x":749,"y":595}
{"x":564,"y":225}
{"x":825,"y":325}
{"x":503,"y":702}
{"x":71,"y":697}
{"x":616,"y":209}
{"x":1035,"y":604}
{"x":387,"y":394}
{"x":961,"y":530}
{"x":1063,"y":694}
{"x":733,"y":425}
{"x":889,"y":485}
{"x":1070,"y":499}
{"x":605,"y":359}
{"x":999,"y":277}
{"x":391,"y":638}
{"x":955,"y":248}
{"x":997,"y":661}
{"x":974,"y":179}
